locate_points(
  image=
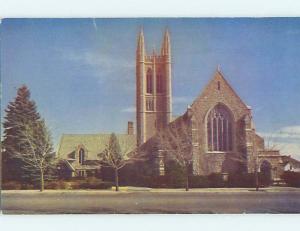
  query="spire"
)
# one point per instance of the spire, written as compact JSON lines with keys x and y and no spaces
{"x":166,"y":49}
{"x":153,"y":51}
{"x":140,"y":51}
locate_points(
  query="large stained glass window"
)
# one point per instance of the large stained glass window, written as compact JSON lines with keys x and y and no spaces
{"x":219,"y":129}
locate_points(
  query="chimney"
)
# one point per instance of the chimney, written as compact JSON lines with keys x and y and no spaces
{"x":130,"y":130}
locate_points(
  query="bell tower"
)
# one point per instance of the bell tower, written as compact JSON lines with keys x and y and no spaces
{"x":153,"y":88}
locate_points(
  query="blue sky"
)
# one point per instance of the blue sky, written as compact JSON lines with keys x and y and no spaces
{"x":81,"y":72}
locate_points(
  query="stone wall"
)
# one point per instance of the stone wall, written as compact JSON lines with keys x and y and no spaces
{"x":248,"y":150}
{"x":218,"y":91}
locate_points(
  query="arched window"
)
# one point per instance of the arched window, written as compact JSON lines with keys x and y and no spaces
{"x":149,"y":81}
{"x":219,"y":129}
{"x":159,"y":82}
{"x":81,"y":156}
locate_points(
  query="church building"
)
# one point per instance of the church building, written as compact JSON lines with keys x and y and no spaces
{"x":219,"y":125}
{"x":216,"y":132}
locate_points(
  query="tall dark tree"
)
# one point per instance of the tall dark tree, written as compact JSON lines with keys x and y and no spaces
{"x":19,"y":113}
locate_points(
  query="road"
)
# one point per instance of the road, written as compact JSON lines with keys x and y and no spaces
{"x":168,"y":201}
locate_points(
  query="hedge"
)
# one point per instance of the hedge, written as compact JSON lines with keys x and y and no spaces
{"x":88,"y":183}
{"x":292,"y":179}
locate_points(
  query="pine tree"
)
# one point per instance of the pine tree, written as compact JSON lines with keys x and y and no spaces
{"x":19,"y":113}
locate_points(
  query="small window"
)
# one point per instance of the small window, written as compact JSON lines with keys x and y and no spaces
{"x":161,"y":167}
{"x":149,"y":81}
{"x":81,"y":156}
{"x":81,"y":173}
{"x":149,"y":105}
{"x":219,"y":85}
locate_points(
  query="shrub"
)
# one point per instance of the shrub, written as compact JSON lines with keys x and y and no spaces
{"x":291,"y":178}
{"x":11,"y":185}
{"x":247,"y":180}
{"x":58,"y":184}
{"x":158,"y":182}
{"x":244,"y":180}
{"x":264,"y":180}
{"x":88,"y":183}
{"x":29,"y":186}
{"x":95,"y":184}
{"x":102,"y":185}
{"x":216,"y":180}
{"x":199,"y":182}
{"x":15,"y":185}
{"x":175,"y":175}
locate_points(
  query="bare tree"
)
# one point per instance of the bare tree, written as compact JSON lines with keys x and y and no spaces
{"x":116,"y":155}
{"x":176,"y":142}
{"x":271,"y":141}
{"x":36,"y":149}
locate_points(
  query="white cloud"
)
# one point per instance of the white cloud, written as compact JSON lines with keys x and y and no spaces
{"x":292,"y":132}
{"x":129,"y":109}
{"x":103,"y":66}
{"x":286,"y":139}
{"x":292,"y":149}
{"x":106,"y":62}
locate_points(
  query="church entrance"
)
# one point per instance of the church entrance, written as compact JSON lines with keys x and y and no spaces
{"x":266,"y":173}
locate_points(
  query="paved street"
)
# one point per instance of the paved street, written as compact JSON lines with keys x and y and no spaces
{"x":153,"y":201}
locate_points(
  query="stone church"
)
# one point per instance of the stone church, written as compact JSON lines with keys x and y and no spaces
{"x":219,"y":126}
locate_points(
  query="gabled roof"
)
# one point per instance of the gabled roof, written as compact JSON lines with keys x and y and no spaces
{"x":94,"y":144}
{"x":295,"y":163}
{"x":219,"y":75}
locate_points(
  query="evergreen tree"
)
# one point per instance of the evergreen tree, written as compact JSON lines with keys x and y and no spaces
{"x":19,"y":113}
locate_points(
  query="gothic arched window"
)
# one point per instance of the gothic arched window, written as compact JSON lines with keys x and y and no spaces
{"x":81,"y":156}
{"x":149,"y":81}
{"x":219,"y":129}
{"x":159,"y":82}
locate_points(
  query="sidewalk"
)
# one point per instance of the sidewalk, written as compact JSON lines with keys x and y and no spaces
{"x":230,"y":190}
{"x":129,"y":189}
